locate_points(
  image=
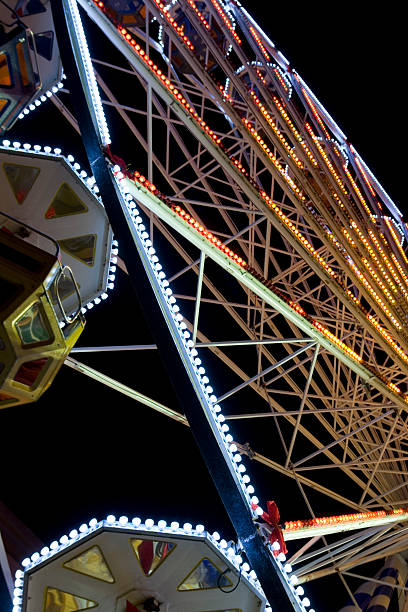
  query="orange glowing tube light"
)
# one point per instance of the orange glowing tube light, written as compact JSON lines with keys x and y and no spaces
{"x":260,"y":45}
{"x":345,"y":522}
{"x":316,"y":114}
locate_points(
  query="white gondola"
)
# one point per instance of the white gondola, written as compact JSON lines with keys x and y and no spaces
{"x":128,"y":566}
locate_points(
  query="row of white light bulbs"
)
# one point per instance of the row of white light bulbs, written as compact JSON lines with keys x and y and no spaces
{"x":226,"y":548}
{"x":90,"y":75}
{"x":43,"y":98}
{"x":215,"y":410}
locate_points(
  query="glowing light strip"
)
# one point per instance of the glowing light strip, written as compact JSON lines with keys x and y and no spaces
{"x":294,"y":130}
{"x":375,"y":258}
{"x":360,"y":195}
{"x":397,"y":242}
{"x":90,"y":75}
{"x":200,"y":15}
{"x":261,"y":77}
{"x":277,"y":131}
{"x":384,"y":256}
{"x":378,"y":280}
{"x":360,"y":167}
{"x":326,"y":159}
{"x":316,"y":114}
{"x":344,"y":522}
{"x":42,"y":98}
{"x":274,"y":160}
{"x":225,"y":19}
{"x":178,"y":29}
{"x":260,"y":45}
{"x":281,"y":80}
{"x":374,"y":294}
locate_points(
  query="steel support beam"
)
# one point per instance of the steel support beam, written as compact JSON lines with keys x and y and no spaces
{"x":162,"y":325}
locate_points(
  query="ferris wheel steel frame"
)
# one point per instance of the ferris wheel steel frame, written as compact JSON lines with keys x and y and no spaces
{"x":145,"y":280}
{"x":371,"y":439}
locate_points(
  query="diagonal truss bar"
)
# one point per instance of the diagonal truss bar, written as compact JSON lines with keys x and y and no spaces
{"x":278,"y":364}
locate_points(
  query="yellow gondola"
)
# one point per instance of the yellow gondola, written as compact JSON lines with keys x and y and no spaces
{"x":34,"y":340}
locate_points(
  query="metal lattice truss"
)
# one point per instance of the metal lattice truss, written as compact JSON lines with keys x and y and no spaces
{"x":303,"y":315}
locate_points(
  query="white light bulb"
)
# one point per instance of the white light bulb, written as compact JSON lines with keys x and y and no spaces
{"x":136,"y":521}
{"x":149,"y":523}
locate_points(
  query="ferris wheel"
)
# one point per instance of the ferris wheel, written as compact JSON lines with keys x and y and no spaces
{"x":261,"y":247}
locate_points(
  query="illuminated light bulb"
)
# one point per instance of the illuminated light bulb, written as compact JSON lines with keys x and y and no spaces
{"x":294,"y":579}
{"x":306,"y":602}
{"x":6,"y":143}
{"x":47,"y":149}
{"x":216,"y":536}
{"x":123,"y":520}
{"x":149,"y":523}
{"x":64,"y":540}
{"x":35,"y":557}
{"x":83,"y":528}
{"x":223,"y":544}
{"x":54,"y":545}
{"x":27,"y":146}
{"x":162,"y":524}
{"x":255,"y":500}
{"x":187,"y":526}
{"x":275,"y":545}
{"x":16,"y":145}
{"x":300,"y":591}
{"x":282,"y":557}
{"x":250,"y":489}
{"x":200,"y":528}
{"x":110,"y":518}
{"x":174,"y":525}
{"x":73,"y":534}
{"x":136,"y":521}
